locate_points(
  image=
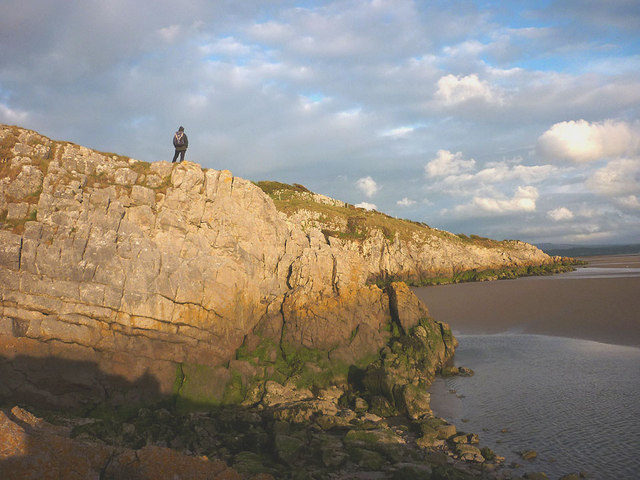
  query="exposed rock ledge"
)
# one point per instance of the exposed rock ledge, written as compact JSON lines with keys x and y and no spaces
{"x":146,"y":272}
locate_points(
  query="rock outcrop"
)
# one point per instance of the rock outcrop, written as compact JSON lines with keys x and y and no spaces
{"x":146,"y":272}
{"x":31,"y":448}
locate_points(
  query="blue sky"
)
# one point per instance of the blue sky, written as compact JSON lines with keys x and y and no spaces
{"x":502,"y":119}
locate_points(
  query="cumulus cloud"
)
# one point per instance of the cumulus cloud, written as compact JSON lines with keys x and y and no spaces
{"x":618,"y":178}
{"x":227,"y":46}
{"x":453,"y":89}
{"x":560,"y":214}
{"x":630,"y":201}
{"x":523,"y":200}
{"x":581,"y":141}
{"x":447,"y":163}
{"x":459,"y":177}
{"x":366,"y":206}
{"x":502,"y":172}
{"x":368,"y":186}
{"x":405,"y":202}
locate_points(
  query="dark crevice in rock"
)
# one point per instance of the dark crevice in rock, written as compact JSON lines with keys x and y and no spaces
{"x":393,"y":309}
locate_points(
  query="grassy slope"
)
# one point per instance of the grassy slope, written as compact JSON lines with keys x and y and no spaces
{"x":359,"y":222}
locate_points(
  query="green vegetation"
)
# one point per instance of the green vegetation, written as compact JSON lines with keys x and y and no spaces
{"x":282,"y":191}
{"x":16,"y":225}
{"x":6,"y":146}
{"x":345,"y":222}
{"x":204,"y":386}
{"x":478,"y":240}
{"x":201,"y":385}
{"x":475,"y":275}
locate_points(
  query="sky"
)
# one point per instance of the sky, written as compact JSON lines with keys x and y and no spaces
{"x":509,"y":120}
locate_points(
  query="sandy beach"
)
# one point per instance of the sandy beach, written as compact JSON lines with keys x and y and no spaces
{"x":599,"y":302}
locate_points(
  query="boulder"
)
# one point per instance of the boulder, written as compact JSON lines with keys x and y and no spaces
{"x":415,"y":401}
{"x":289,"y":448}
{"x":469,"y":453}
{"x":446,"y":431}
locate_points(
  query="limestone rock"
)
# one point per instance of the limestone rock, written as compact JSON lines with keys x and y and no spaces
{"x":161,"y":271}
{"x":288,"y":448}
{"x":370,"y":444}
{"x":416,"y":401}
{"x":446,"y":431}
{"x":469,"y":452}
{"x":405,"y":307}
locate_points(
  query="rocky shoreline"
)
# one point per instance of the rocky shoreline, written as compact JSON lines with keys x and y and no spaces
{"x":332,"y":434}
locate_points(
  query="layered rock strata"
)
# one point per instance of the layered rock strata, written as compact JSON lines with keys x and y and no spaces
{"x":112,"y":265}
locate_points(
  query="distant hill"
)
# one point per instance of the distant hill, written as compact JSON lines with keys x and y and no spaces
{"x":567,"y":250}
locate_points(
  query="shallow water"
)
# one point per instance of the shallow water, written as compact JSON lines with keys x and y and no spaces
{"x":575,"y":402}
{"x":594,"y":303}
{"x":598,"y":272}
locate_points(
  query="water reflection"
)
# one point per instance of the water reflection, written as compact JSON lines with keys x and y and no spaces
{"x":577,"y":403}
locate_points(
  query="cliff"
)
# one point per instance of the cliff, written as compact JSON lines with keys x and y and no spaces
{"x":192,"y":282}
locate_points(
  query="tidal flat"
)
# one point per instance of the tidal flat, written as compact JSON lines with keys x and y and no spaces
{"x":557,"y":367}
{"x":598,"y":302}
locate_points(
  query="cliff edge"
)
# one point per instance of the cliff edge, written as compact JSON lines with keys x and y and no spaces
{"x":192,"y":282}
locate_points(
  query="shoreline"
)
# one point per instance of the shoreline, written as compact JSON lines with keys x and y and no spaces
{"x":595,"y":303}
{"x":598,"y":302}
{"x":536,"y":393}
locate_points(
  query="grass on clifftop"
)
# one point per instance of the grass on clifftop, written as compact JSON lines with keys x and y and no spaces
{"x":349,"y":222}
{"x":346,"y":222}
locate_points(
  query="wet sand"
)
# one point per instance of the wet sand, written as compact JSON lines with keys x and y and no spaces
{"x":600,"y":302}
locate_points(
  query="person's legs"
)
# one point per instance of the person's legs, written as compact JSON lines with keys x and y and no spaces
{"x":175,"y":156}
{"x":182,"y":155}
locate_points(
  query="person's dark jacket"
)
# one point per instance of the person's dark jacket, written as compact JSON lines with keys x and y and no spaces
{"x":180,"y":148}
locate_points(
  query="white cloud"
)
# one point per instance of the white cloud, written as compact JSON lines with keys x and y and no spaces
{"x":465,"y":49}
{"x":581,"y":141}
{"x":226,"y":46}
{"x":368,"y":186}
{"x":618,"y":178}
{"x":398,"y":132}
{"x":12,"y":116}
{"x":630,"y":201}
{"x":272,"y":32}
{"x":405,"y":202}
{"x":502,"y":172}
{"x":453,"y":89}
{"x":560,"y":214}
{"x":523,"y":200}
{"x":498,"y":176}
{"x":447,"y":163}
{"x":366,"y":206}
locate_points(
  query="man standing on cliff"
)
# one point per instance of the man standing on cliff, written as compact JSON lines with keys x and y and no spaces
{"x":181,"y":142}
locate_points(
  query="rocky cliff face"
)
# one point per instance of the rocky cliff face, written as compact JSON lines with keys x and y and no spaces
{"x":140,"y":270}
{"x":393,"y":248}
